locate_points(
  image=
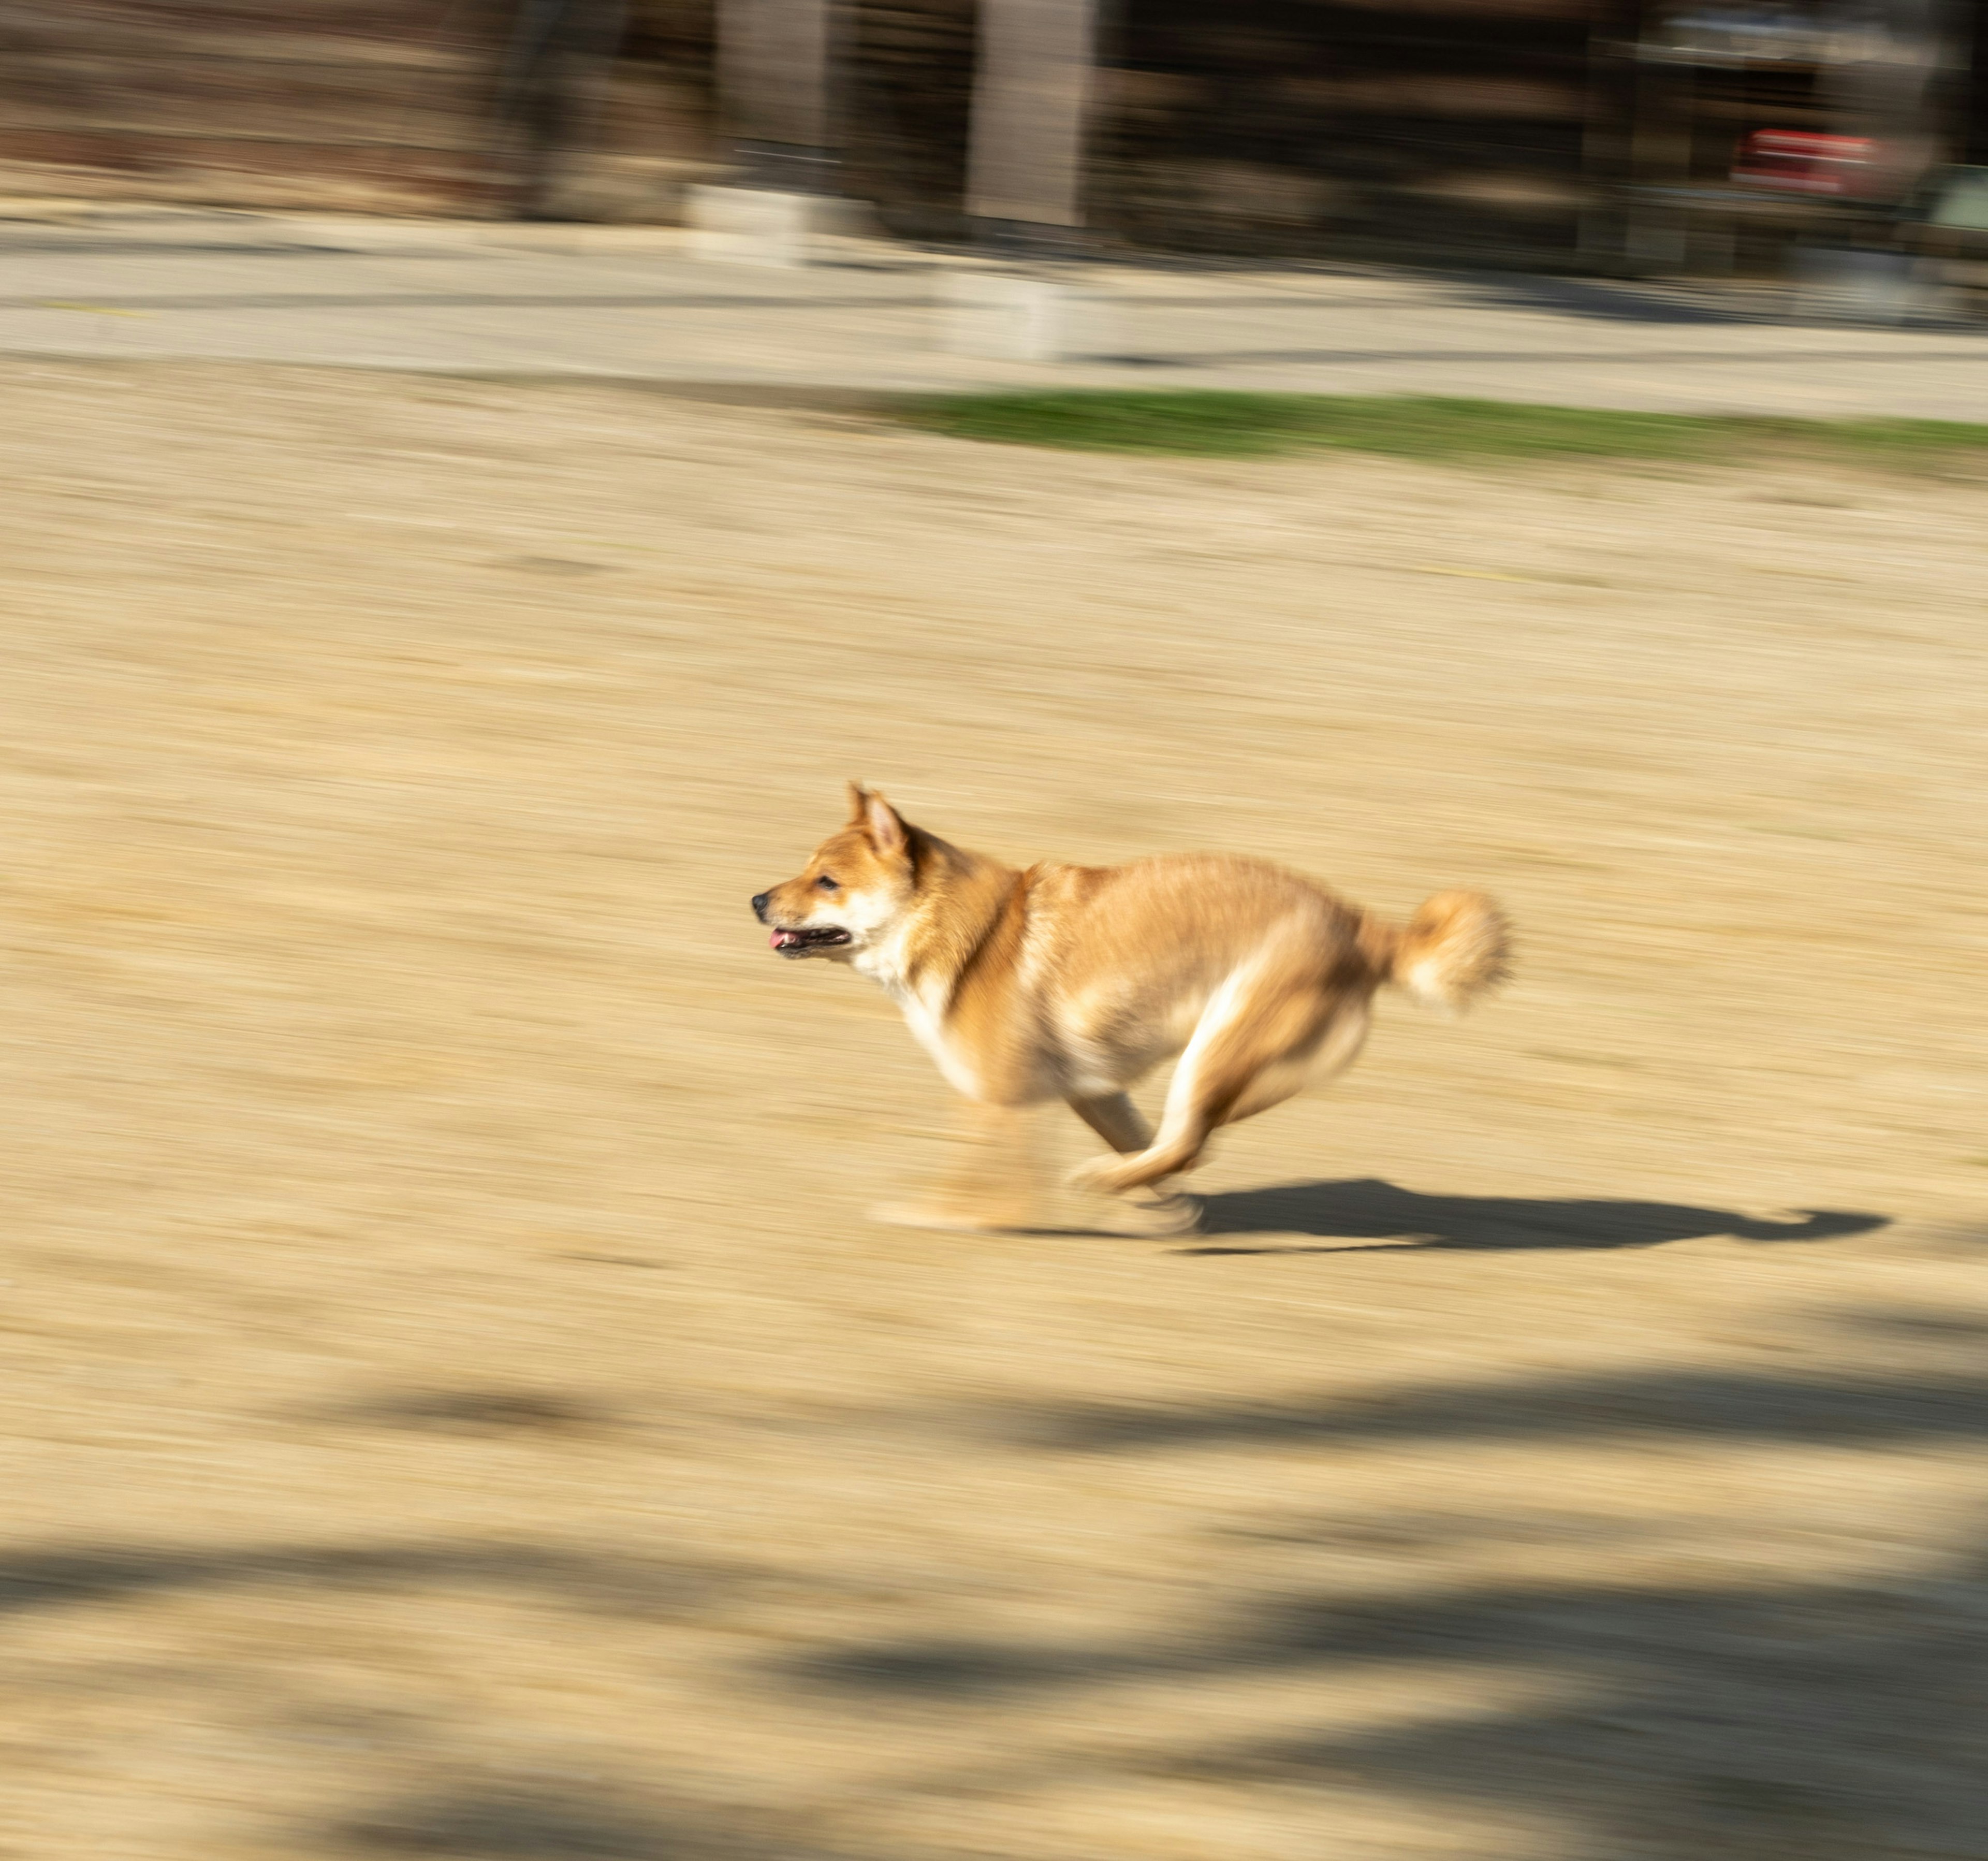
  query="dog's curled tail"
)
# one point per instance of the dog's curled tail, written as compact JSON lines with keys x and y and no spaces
{"x":1456,"y":947}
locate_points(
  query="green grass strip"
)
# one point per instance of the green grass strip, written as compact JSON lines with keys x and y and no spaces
{"x":1215,"y":424}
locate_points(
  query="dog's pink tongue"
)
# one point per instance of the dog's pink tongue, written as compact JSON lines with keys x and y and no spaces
{"x":781,"y":938}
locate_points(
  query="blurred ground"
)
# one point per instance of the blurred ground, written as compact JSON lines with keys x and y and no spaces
{"x":626,"y":302}
{"x":455,"y":1406}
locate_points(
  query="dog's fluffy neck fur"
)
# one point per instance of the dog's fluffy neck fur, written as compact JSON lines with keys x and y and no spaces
{"x":963,"y":900}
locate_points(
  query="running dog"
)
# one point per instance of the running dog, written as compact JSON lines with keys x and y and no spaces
{"x":1075,"y":981}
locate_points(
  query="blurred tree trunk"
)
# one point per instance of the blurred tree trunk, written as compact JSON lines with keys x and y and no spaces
{"x":555,"y":71}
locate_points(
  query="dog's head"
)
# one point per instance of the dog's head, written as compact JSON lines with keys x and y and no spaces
{"x":853,"y":892}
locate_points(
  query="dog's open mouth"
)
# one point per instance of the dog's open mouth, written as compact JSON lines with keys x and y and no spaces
{"x":817,"y":937}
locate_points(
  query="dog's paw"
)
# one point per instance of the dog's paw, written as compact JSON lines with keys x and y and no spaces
{"x":1156,"y":1217}
{"x":1105,"y":1175}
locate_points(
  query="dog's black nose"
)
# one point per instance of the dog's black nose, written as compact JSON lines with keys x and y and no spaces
{"x":759,"y":905}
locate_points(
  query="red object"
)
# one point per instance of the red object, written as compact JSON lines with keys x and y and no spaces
{"x":1800,"y":161}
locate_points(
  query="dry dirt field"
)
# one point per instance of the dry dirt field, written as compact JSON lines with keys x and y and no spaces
{"x":454,"y":1404}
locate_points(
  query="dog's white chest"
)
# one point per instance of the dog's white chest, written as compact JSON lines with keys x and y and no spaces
{"x":925,"y":1014}
{"x":926,"y":1022}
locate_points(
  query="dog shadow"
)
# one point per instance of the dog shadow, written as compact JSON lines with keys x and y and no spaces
{"x":1370,"y":1213}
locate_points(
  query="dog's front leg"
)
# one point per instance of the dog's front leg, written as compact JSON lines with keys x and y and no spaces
{"x":990,"y":1183}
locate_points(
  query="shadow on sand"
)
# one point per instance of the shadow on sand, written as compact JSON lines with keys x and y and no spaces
{"x":1368,"y":1211}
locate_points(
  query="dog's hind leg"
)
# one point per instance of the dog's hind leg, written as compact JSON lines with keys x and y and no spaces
{"x":1116,"y":1119}
{"x":1254,"y":1047}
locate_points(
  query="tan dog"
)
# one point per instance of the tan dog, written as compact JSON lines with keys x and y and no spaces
{"x":1074,"y":982}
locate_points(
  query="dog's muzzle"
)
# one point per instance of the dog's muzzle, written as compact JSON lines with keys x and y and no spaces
{"x":798,"y":942}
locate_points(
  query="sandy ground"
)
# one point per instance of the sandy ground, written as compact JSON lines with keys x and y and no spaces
{"x":454,"y":1404}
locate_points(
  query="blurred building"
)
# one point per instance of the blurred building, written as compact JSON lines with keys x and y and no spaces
{"x":1556,"y":133}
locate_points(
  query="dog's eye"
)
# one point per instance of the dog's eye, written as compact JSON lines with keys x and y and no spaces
{"x":825,"y":883}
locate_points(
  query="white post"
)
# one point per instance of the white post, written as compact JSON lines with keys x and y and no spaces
{"x":1031,"y":93}
{"x":773,"y":99}
{"x":1032,"y":89}
{"x":773,"y":75}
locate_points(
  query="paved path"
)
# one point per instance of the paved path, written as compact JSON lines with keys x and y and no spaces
{"x":635,"y":303}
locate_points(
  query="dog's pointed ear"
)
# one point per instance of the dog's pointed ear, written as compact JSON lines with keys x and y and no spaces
{"x":859,"y":803}
{"x":887,"y":832}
